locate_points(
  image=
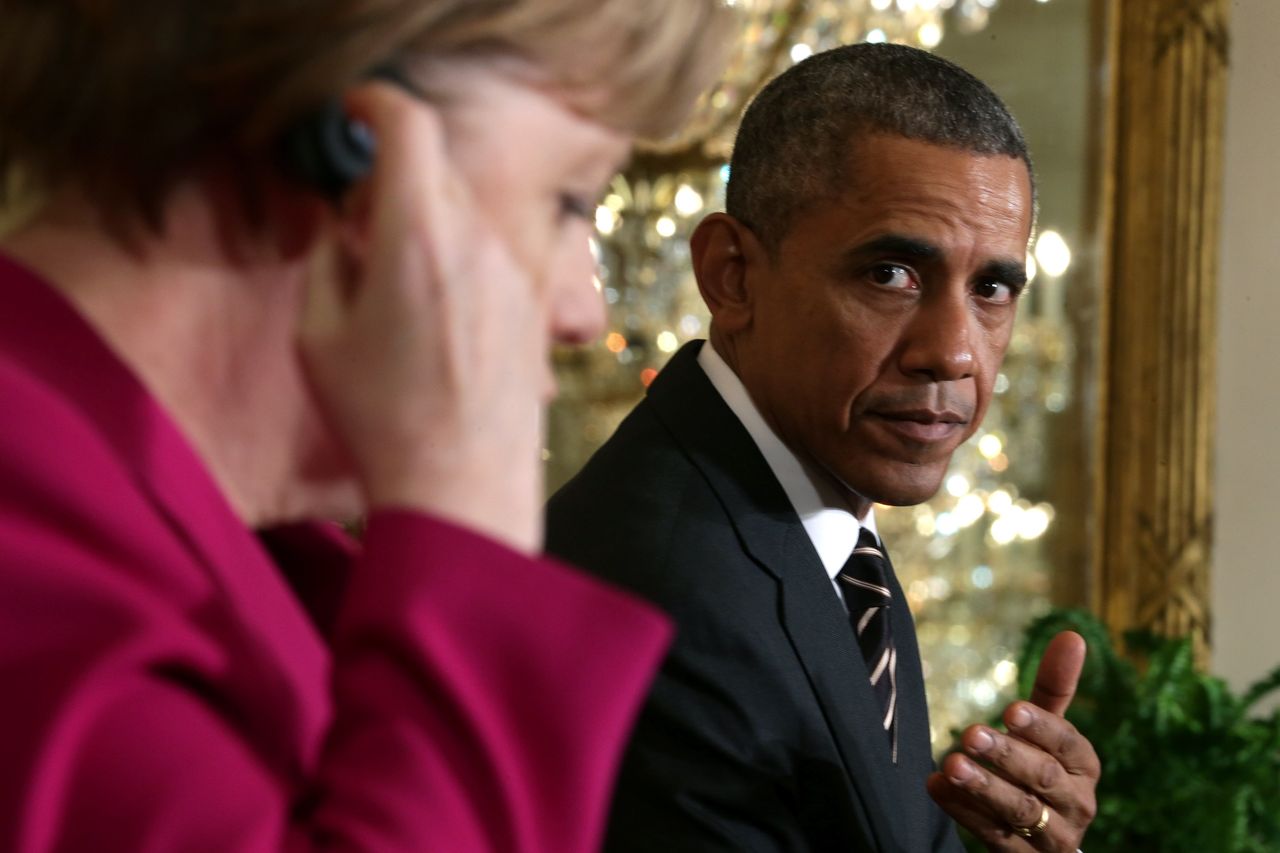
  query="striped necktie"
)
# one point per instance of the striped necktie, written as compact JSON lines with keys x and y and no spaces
{"x":865,"y":583}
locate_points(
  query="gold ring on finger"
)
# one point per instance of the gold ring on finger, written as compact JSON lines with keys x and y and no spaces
{"x":1041,"y":824}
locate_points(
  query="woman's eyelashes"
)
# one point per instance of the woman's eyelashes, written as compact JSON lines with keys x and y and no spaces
{"x":576,"y":206}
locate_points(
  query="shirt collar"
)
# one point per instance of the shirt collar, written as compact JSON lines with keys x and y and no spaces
{"x":832,"y":527}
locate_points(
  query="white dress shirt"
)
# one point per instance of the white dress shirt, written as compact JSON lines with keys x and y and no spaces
{"x":824,"y":511}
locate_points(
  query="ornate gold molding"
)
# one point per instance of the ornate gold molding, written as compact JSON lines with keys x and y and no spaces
{"x":1169,"y":60}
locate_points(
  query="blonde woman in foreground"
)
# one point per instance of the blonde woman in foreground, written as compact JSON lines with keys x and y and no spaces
{"x":213,"y":347}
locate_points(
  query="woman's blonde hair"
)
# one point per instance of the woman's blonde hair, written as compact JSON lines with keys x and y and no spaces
{"x":124,"y":99}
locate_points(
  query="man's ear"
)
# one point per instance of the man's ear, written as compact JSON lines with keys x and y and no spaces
{"x":725,"y":253}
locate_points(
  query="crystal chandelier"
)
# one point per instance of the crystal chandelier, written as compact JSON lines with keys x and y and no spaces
{"x":777,"y":33}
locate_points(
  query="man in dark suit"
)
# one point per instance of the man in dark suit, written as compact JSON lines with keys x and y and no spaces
{"x":862,"y":286}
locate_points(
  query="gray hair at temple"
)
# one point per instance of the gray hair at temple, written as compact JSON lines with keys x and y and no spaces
{"x":794,"y":144}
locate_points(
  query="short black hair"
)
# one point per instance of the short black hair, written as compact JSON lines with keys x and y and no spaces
{"x":794,"y":143}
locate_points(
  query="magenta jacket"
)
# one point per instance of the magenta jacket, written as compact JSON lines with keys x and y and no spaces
{"x":174,"y":682}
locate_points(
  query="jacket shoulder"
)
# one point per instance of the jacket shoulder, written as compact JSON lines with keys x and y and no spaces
{"x":622,"y":514}
{"x":68,"y":500}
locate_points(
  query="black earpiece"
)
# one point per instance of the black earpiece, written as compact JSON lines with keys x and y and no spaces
{"x":328,"y":150}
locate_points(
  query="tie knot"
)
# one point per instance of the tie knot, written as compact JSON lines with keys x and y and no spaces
{"x":866,"y":569}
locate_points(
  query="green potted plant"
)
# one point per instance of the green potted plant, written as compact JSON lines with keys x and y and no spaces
{"x":1187,"y":764}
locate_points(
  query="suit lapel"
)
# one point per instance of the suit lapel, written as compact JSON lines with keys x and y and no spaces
{"x":812,"y":615}
{"x":915,"y":758}
{"x":913,"y":719}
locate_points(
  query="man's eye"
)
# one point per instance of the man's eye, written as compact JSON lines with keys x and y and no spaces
{"x":891,"y":275}
{"x":998,"y":292}
{"x":576,"y":207}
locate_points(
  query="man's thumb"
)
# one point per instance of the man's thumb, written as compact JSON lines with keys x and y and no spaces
{"x":1059,"y":672}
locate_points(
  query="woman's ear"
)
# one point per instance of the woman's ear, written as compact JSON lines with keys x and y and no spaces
{"x":296,"y":220}
{"x":276,"y":221}
{"x":725,"y":255}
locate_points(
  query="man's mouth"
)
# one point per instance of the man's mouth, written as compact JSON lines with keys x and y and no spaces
{"x":923,"y":426}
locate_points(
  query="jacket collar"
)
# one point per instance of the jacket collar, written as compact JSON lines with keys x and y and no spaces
{"x":44,"y":335}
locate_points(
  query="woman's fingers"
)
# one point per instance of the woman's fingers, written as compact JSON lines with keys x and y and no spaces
{"x":423,"y":336}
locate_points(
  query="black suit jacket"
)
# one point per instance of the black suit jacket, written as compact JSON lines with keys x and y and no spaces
{"x":762,"y":732}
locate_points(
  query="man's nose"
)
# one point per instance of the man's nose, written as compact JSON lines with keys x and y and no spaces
{"x":939,"y":341}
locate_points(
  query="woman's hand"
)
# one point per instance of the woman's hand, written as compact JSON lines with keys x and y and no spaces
{"x":425,"y":341}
